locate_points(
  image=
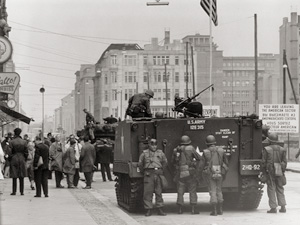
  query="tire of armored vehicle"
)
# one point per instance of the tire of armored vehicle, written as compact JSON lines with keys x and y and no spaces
{"x":240,"y":137}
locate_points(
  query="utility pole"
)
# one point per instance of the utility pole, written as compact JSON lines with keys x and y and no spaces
{"x":193,"y":72}
{"x":187,"y":69}
{"x":255,"y":63}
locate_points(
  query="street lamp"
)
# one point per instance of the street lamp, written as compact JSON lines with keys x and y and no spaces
{"x":232,"y":105}
{"x":42,"y":90}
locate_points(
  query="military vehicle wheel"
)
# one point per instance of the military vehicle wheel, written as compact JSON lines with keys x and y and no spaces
{"x":249,"y":196}
{"x":129,"y":192}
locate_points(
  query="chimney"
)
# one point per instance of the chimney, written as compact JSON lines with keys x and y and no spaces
{"x":167,"y":37}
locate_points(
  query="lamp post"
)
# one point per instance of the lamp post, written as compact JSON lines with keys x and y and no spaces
{"x":232,"y":104}
{"x":42,"y":90}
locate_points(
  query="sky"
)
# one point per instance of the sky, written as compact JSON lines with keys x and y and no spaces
{"x":51,"y":39}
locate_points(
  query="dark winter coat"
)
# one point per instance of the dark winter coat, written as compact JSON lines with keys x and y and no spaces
{"x":19,"y":154}
{"x":41,"y":150}
{"x":103,"y":152}
{"x":87,"y":157}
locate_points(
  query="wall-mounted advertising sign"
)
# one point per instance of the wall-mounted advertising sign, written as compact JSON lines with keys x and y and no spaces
{"x":9,"y":82}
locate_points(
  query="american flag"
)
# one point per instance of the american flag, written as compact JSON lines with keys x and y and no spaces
{"x":206,"y":5}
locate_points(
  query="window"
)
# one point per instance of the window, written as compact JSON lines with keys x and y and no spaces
{"x":154,"y":60}
{"x":105,"y":79}
{"x":113,"y":59}
{"x":167,"y":60}
{"x":114,"y":94}
{"x":130,"y":60}
{"x":177,"y":60}
{"x":145,"y":77}
{"x":105,"y":96}
{"x":163,"y":60}
{"x":155,"y":77}
{"x":159,"y":77}
{"x":158,"y":60}
{"x":145,"y":61}
{"x":114,"y":77}
{"x":177,"y":77}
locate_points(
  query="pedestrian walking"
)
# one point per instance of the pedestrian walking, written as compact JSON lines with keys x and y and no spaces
{"x":185,"y":160}
{"x":56,"y":157}
{"x":2,"y":163}
{"x":77,"y":148}
{"x":29,"y":164}
{"x":103,"y":151}
{"x":274,"y":164}
{"x":69,"y":163}
{"x":151,"y":163}
{"x":87,"y":160}
{"x":19,"y":154}
{"x":216,"y":166}
{"x":41,"y":171}
{"x":7,"y":153}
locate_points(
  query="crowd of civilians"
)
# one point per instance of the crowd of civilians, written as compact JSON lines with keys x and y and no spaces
{"x":37,"y":158}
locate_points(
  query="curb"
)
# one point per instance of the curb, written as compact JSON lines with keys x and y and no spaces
{"x":292,"y":170}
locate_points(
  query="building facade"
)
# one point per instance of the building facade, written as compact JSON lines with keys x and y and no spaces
{"x":68,"y":113}
{"x":289,"y":33}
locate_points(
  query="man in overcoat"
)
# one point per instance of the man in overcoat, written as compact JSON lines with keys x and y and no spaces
{"x":41,"y":172}
{"x":56,"y":157}
{"x":87,"y":160}
{"x":19,"y":154}
{"x":104,"y":150}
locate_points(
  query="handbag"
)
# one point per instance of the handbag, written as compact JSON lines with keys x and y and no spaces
{"x":40,"y":162}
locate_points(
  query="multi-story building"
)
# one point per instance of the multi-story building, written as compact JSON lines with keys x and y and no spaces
{"x":238,"y":84}
{"x":84,"y":93}
{"x":57,"y":126}
{"x":68,"y":113}
{"x":126,"y":69}
{"x":289,"y":42}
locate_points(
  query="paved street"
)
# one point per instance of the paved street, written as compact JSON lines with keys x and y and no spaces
{"x":99,"y":206}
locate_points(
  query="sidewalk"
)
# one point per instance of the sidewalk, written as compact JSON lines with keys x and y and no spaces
{"x":63,"y":206}
{"x":293,"y":166}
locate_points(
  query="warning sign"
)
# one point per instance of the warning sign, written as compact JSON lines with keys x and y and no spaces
{"x":282,"y":118}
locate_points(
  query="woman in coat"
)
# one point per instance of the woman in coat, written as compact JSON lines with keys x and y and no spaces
{"x":18,"y":157}
{"x":69,"y":164}
{"x":56,"y":157}
{"x":29,"y":164}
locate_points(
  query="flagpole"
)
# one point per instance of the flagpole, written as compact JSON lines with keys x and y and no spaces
{"x":210,"y":52}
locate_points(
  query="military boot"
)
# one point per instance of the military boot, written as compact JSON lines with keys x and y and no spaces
{"x":272,"y":210}
{"x":180,"y":209}
{"x":220,"y":208}
{"x":161,"y":212}
{"x":148,"y":213}
{"x":214,"y":210}
{"x":283,"y":209}
{"x":194,"y":210}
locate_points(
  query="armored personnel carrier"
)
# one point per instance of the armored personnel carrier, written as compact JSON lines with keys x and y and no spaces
{"x":241,"y":138}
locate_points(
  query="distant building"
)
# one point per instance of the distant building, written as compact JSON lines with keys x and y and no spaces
{"x":289,"y":41}
{"x":68,"y":113}
{"x":84,"y":94}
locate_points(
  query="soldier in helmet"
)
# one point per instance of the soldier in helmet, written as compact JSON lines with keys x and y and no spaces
{"x":274,"y":156}
{"x":139,"y":105}
{"x":185,"y":160}
{"x":215,"y":159}
{"x":151,"y":163}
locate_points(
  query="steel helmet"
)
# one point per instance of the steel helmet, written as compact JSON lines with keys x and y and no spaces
{"x":150,"y":93}
{"x":159,"y":115}
{"x":185,"y":140}
{"x":273,"y":137}
{"x":210,"y":140}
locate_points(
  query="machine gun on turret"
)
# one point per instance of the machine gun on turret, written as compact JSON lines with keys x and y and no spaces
{"x":189,"y":108}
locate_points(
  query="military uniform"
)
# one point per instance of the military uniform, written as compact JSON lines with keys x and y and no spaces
{"x":214,"y":186}
{"x":214,"y":156}
{"x":139,"y":106}
{"x":185,"y":160}
{"x":274,"y":153}
{"x":151,"y":163}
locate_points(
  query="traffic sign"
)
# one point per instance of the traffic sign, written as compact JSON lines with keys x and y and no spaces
{"x":9,"y":82}
{"x":282,"y":118}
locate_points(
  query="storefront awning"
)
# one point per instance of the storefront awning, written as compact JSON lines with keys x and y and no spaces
{"x":13,"y":114}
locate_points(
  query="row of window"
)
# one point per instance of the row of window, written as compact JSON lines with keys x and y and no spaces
{"x":237,"y":83}
{"x":236,"y":94}
{"x":242,"y":73}
{"x":247,"y":64}
{"x":236,"y":104}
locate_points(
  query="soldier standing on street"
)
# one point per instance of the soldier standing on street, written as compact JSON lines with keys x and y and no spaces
{"x":151,"y":163}
{"x":185,"y":160}
{"x":215,"y":161}
{"x":275,"y":154}
{"x":139,"y":105}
